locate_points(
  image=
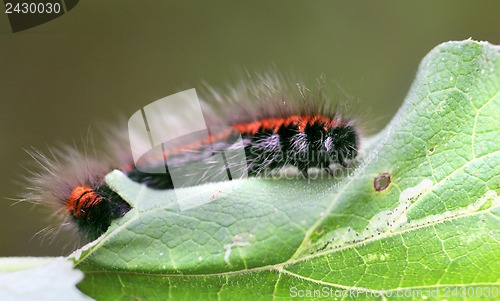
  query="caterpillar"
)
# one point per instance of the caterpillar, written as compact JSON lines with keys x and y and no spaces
{"x":279,"y":123}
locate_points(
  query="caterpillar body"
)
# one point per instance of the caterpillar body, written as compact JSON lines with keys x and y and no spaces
{"x":280,"y":125}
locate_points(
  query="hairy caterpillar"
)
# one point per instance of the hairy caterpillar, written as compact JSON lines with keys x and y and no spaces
{"x":280,"y":124}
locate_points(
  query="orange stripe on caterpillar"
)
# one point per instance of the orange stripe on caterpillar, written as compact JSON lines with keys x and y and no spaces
{"x":81,"y":200}
{"x":273,"y":124}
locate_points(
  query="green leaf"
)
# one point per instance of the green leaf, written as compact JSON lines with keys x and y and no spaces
{"x":433,"y":230}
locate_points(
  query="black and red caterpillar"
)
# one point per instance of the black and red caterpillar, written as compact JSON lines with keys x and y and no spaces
{"x":279,"y":125}
{"x":298,"y":140}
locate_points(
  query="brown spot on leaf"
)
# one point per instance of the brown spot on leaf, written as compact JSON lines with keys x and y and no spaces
{"x":382,"y":181}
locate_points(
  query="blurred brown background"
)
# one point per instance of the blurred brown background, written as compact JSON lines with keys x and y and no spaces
{"x":106,"y":59}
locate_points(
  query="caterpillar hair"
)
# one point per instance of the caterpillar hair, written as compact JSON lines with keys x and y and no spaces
{"x":280,"y":121}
